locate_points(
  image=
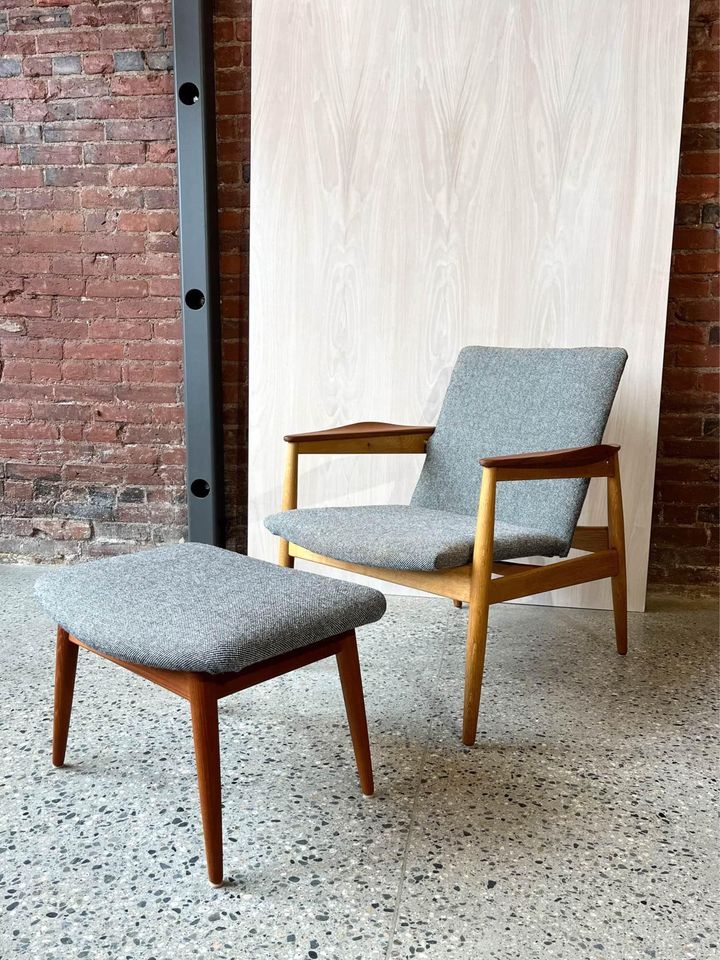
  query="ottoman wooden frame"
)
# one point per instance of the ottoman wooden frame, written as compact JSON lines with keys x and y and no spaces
{"x":203,"y":690}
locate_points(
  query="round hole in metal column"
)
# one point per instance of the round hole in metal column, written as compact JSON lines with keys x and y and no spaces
{"x":195,"y":299}
{"x":200,"y":488}
{"x":188,"y":94}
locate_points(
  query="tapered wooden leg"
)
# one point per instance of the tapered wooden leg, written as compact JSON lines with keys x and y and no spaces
{"x":474,"y":667}
{"x":289,"y":499}
{"x":204,"y":710}
{"x":66,"y":654}
{"x":616,"y":531}
{"x":458,"y":604}
{"x":351,"y":680}
{"x":479,"y":606}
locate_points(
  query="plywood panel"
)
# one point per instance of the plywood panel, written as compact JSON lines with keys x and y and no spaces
{"x":428,"y":174}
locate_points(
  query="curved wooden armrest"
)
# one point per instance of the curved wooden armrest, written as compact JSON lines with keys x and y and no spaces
{"x":572,"y":457}
{"x":595,"y":461}
{"x":360,"y":431}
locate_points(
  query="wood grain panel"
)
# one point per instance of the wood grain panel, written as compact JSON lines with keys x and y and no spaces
{"x":428,"y":174}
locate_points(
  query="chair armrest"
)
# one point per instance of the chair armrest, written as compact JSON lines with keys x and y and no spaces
{"x":363,"y":438}
{"x":356,"y":431}
{"x":594,"y":461}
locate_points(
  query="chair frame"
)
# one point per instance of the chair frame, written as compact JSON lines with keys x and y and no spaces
{"x":203,"y":690}
{"x":473,"y":583}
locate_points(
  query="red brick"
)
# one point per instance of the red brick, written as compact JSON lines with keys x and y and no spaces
{"x":697,"y":188}
{"x":154,"y":350}
{"x":110,"y":199}
{"x":153,"y":308}
{"x":94,"y":351}
{"x":72,"y":41}
{"x":116,"y":288}
{"x":701,"y":311}
{"x":97,"y":63}
{"x":23,"y":430}
{"x":702,"y":111}
{"x":696,"y":263}
{"x":161,"y":152}
{"x":119,"y":330}
{"x":77,"y":87}
{"x":689,"y":287}
{"x":145,"y":176}
{"x":134,"y":130}
{"x":131,"y":38}
{"x":15,"y":178}
{"x":45,"y":370}
{"x":705,"y":61}
{"x":112,"y":243}
{"x":63,"y":529}
{"x":19,"y":88}
{"x":141,"y":84}
{"x":704,"y":237}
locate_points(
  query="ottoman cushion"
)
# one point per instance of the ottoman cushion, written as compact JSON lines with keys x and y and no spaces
{"x":196,"y":607}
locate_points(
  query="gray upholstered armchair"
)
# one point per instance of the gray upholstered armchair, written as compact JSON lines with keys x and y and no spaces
{"x":505,"y":475}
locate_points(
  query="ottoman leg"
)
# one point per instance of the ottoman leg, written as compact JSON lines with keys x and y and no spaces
{"x":351,"y":680}
{"x":66,"y":654}
{"x":204,"y":711}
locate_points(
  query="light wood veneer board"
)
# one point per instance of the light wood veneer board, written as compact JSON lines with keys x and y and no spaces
{"x":427,"y":175}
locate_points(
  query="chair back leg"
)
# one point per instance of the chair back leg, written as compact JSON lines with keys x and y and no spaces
{"x":289,"y":499}
{"x":66,"y":655}
{"x":616,"y":532}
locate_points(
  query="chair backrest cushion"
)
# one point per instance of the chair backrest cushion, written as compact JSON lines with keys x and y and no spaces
{"x":504,"y":400}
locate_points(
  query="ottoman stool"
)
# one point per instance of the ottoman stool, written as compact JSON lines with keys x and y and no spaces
{"x":205,"y":623}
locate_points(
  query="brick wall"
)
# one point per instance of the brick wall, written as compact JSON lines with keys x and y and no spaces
{"x":90,"y":410}
{"x":232,"y":83}
{"x":684,"y":552}
{"x":91,"y":443}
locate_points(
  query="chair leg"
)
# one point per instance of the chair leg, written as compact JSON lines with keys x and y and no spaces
{"x":204,"y":711}
{"x":479,"y":605}
{"x":351,"y":681}
{"x":474,"y":668}
{"x":66,"y":655}
{"x":616,"y":531}
{"x":284,"y":558}
{"x":289,"y":498}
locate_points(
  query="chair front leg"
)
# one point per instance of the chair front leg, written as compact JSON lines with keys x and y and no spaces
{"x":479,"y":605}
{"x":616,"y":531}
{"x":289,"y":499}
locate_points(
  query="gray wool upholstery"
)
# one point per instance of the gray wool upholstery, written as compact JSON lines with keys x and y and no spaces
{"x":499,"y":401}
{"x":196,"y":607}
{"x":401,"y":537}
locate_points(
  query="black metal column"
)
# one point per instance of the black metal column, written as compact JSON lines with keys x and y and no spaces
{"x":195,"y":112}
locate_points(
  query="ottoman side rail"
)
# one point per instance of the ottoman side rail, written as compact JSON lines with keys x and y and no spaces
{"x":225,"y":684}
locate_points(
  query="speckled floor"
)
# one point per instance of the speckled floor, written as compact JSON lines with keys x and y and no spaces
{"x":582,"y":825}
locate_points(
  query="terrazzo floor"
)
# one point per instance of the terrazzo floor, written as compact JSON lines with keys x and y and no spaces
{"x":583,"y":824}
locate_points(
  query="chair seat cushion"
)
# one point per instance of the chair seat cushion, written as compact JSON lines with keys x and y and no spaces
{"x":196,"y":607}
{"x":403,"y":537}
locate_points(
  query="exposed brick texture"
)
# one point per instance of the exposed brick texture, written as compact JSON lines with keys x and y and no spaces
{"x":232,"y":85}
{"x":91,"y":441}
{"x":684,"y":553}
{"x":91,"y":437}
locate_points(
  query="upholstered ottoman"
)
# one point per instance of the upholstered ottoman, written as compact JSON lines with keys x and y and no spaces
{"x":205,"y":623}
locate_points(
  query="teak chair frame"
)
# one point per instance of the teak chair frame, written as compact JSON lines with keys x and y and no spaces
{"x":473,"y":583}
